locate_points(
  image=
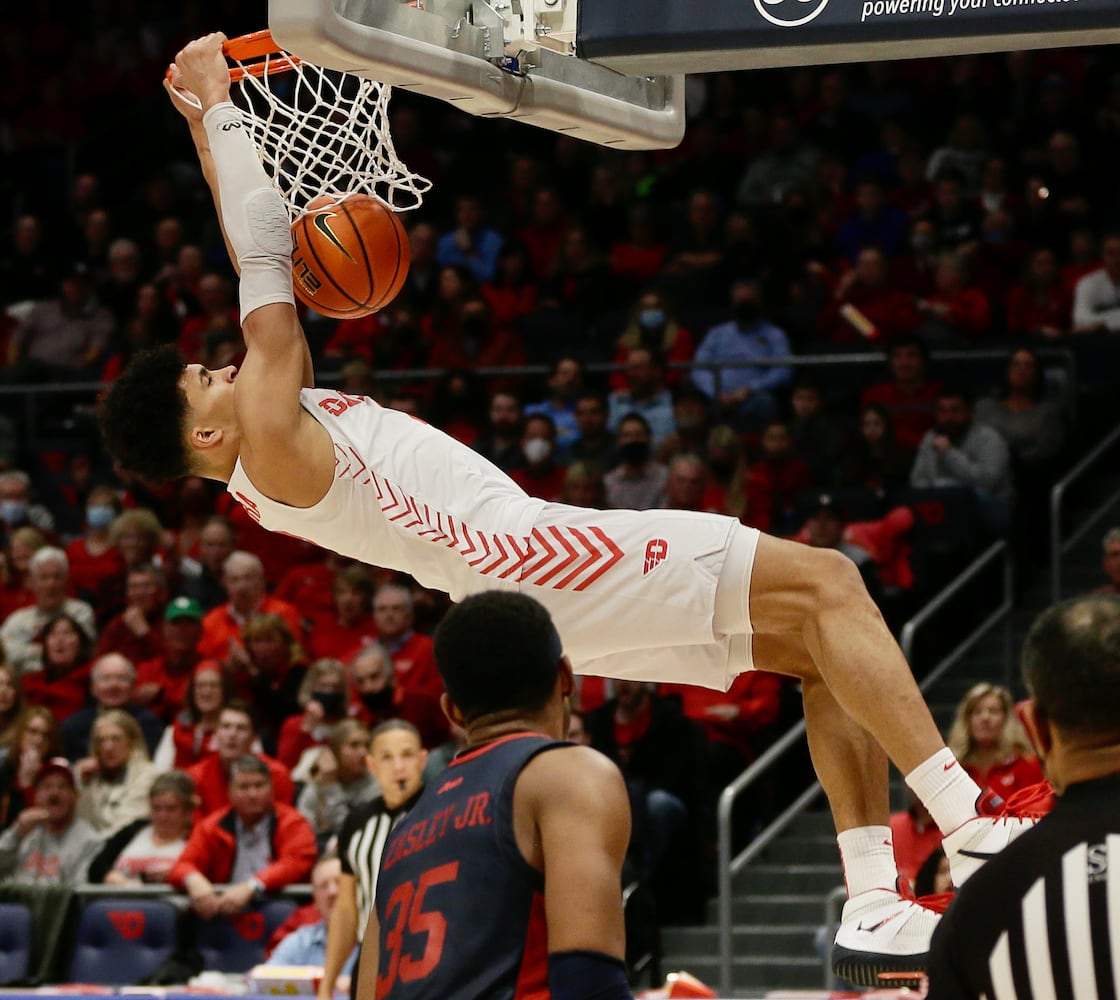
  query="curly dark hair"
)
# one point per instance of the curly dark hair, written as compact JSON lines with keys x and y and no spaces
{"x":143,"y":416}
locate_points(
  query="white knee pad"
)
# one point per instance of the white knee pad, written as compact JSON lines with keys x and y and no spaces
{"x":253,"y":213}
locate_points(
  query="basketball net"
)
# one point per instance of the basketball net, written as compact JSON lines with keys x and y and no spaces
{"x":318,"y":131}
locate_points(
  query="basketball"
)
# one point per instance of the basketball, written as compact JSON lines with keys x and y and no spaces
{"x":350,"y":256}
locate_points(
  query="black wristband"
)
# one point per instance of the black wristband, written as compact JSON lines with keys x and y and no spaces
{"x":587,"y":975}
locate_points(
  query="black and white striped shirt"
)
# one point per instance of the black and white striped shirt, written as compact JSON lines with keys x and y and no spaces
{"x":361,"y":840}
{"x":1041,"y":920}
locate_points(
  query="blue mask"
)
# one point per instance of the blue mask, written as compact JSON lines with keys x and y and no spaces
{"x":651,"y":319}
{"x":100,"y":516}
{"x":13,"y":511}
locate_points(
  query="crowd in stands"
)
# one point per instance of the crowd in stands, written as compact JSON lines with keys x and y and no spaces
{"x":612,"y":329}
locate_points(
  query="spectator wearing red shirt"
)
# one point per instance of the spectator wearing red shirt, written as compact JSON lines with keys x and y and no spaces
{"x":639,"y":257}
{"x":381,"y":697}
{"x":193,"y":735}
{"x":915,"y":836}
{"x":1110,"y":562}
{"x":543,"y":235}
{"x":137,"y":535}
{"x":731,"y":719}
{"x":542,"y":476}
{"x":956,"y":311}
{"x":92,"y":555}
{"x":867,"y":305}
{"x":62,"y":685}
{"x":775,"y":481}
{"x":310,"y":586}
{"x":475,"y":341}
{"x":219,"y":320}
{"x":349,"y":625}
{"x":653,"y":324}
{"x":270,"y":675}
{"x":1040,"y":305}
{"x":325,"y":698}
{"x":414,"y":663}
{"x":244,"y":582}
{"x":990,"y":742}
{"x":512,"y":293}
{"x":15,"y":591}
{"x":218,"y":850}
{"x":135,"y":632}
{"x":162,"y":680}
{"x":236,"y":734}
{"x":909,"y":397}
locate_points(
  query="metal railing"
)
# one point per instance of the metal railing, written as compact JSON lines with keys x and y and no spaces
{"x":1058,"y":547}
{"x":325,"y":375}
{"x":730,"y":867}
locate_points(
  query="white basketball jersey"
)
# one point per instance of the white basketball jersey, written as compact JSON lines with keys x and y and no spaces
{"x":408,"y":497}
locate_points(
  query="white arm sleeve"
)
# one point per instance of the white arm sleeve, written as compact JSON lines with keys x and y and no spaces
{"x":253,"y":213}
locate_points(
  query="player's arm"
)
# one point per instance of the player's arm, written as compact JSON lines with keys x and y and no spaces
{"x":582,"y":829}
{"x":342,"y":931}
{"x":275,"y":432}
{"x":190,"y":107}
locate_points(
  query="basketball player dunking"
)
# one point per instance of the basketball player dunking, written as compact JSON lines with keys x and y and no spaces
{"x":654,"y":595}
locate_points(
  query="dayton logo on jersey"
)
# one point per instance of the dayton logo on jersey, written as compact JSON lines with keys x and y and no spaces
{"x":656,"y":551}
{"x":790,"y":13}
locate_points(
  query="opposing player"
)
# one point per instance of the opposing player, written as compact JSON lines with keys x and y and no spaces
{"x":503,"y":880}
{"x":654,"y":595}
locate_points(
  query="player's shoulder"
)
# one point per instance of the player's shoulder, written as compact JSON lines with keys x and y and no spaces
{"x":569,"y":771}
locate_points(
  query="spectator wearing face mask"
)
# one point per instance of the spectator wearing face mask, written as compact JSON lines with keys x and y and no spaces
{"x":16,"y":508}
{"x":653,"y":324}
{"x":637,"y":482}
{"x":565,"y":382}
{"x":383,"y":698}
{"x":745,"y":395}
{"x":325,"y":697}
{"x":92,"y":555}
{"x":542,"y":476}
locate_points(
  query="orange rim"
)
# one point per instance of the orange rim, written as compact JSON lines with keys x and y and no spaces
{"x":258,"y":45}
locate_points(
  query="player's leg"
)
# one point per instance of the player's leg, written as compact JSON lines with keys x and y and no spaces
{"x":852,"y":769}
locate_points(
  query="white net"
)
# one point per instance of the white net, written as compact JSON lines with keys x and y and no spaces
{"x":323,"y":132}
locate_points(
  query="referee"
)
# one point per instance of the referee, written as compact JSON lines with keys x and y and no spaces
{"x":1042,"y":919}
{"x":397,"y":761}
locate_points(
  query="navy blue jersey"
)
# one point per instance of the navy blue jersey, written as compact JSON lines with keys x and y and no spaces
{"x":461,"y":910}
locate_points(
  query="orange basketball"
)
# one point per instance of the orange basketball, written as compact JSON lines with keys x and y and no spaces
{"x":350,"y":256}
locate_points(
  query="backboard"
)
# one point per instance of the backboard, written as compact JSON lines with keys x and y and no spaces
{"x":494,"y":59}
{"x":609,"y":70}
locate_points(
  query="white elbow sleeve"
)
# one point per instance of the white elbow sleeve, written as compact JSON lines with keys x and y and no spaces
{"x":255,"y":220}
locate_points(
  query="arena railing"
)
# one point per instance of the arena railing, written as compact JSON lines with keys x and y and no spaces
{"x":1061,"y":360}
{"x":998,"y":554}
{"x":1060,"y":547}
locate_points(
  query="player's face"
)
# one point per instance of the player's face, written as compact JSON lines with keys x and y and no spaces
{"x":397,"y":762}
{"x":209,"y":395}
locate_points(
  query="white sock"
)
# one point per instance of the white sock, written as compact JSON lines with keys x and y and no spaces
{"x":867,"y":853}
{"x":946,"y":790}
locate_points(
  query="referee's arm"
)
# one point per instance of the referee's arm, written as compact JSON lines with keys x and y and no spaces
{"x":342,"y":932}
